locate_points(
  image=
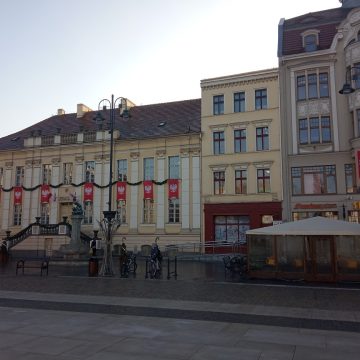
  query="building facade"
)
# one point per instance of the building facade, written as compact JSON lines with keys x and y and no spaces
{"x":318,"y":52}
{"x":156,"y":172}
{"x":241,"y":161}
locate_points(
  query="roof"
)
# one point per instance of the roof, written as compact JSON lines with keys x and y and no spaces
{"x":312,"y":226}
{"x":326,"y":21}
{"x":178,"y":117}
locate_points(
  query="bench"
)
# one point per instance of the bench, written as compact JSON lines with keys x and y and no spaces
{"x":42,"y":264}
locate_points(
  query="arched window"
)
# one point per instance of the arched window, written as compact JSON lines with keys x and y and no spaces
{"x":310,"y":42}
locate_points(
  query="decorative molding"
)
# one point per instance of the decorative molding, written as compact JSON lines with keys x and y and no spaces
{"x":261,"y":122}
{"x":134,"y":155}
{"x":29,"y":164}
{"x":221,"y":167}
{"x":79,"y":158}
{"x":240,"y":166}
{"x":8,"y":164}
{"x":36,"y":162}
{"x":263,"y":164}
{"x":218,"y":127}
{"x":99,"y":158}
{"x":55,"y":161}
{"x":240,"y":125}
{"x":160,"y":153}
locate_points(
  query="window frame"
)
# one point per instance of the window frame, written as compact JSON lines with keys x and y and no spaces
{"x":219,"y":182}
{"x":148,"y":211}
{"x":263,"y":180}
{"x":19,"y":175}
{"x":46,"y":174}
{"x":174,"y":211}
{"x":218,"y":142}
{"x":174,"y":167}
{"x":88,"y":213}
{"x":239,"y":101}
{"x":67,"y":173}
{"x":89,"y":171}
{"x":218,"y":104}
{"x":240,"y":140}
{"x":122,"y":169}
{"x":261,"y":99}
{"x":149,"y":168}
{"x":262,"y":138}
{"x":241,"y":181}
{"x":17,"y":215}
{"x":121,"y":211}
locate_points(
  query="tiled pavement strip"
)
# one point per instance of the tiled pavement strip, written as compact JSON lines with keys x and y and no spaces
{"x":76,"y":317}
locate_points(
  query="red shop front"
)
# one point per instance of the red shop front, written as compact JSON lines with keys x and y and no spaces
{"x":228,"y":223}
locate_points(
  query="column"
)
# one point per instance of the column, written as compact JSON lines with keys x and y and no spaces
{"x":35,"y":198}
{"x":196,"y":192}
{"x":134,"y":190}
{"x":185,"y":191}
{"x":26,"y":220}
{"x":160,"y":198}
{"x":55,"y":180}
{"x":6,"y":197}
{"x":78,"y":175}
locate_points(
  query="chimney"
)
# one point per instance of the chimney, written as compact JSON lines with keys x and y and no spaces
{"x":81,"y":110}
{"x":61,"y":112}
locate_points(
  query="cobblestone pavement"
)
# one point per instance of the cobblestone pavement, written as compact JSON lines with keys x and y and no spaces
{"x":201,"y":315}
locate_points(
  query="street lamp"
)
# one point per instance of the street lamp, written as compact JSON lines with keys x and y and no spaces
{"x":109,"y":223}
{"x":347,"y":88}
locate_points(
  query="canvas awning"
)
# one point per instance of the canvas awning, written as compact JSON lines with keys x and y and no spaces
{"x":312,"y":226}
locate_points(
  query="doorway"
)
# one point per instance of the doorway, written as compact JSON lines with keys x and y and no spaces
{"x":320,"y":258}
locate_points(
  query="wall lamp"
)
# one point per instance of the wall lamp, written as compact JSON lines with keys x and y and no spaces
{"x":350,"y":76}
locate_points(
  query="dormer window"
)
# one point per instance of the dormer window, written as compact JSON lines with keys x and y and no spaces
{"x":310,"y":40}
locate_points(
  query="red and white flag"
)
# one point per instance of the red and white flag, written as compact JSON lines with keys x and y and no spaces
{"x":88,"y":192}
{"x":17,"y":195}
{"x":148,"y":189}
{"x":121,"y":190}
{"x":45,"y":194}
{"x":173,"y":188}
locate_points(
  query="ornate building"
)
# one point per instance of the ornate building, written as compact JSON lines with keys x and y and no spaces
{"x":318,"y":54}
{"x":156,"y":172}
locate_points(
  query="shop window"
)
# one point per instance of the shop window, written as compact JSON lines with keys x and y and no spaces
{"x":231,"y":228}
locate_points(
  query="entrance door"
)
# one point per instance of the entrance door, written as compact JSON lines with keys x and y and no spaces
{"x":320,"y":264}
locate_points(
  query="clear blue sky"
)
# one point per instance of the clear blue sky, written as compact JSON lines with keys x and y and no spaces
{"x":55,"y":54}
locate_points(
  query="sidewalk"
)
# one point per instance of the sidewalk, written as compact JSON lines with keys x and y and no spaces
{"x":195,"y":317}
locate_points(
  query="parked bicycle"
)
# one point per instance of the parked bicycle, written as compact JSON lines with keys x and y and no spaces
{"x":155,"y":266}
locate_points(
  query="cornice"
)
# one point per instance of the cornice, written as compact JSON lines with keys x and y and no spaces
{"x":239,"y":83}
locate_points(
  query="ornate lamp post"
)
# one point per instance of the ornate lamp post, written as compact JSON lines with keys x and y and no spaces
{"x":109,"y":223}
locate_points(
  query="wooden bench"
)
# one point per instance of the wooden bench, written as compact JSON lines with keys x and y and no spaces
{"x":42,"y":264}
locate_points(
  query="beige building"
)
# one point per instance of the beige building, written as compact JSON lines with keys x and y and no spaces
{"x":45,"y":166}
{"x":241,"y":161}
{"x":318,"y":53}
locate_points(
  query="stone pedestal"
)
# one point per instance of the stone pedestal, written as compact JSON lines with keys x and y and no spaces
{"x":75,"y":250}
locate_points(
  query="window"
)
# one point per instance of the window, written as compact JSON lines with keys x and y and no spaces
{"x":310,"y":42}
{"x":358,"y":122}
{"x":122,"y":170}
{"x":239,"y":102}
{"x":303,"y":131}
{"x":312,"y":86}
{"x":219,"y":142}
{"x":148,"y":211}
{"x":240,"y":181}
{"x":88,"y":213}
{"x":324,"y":85}
{"x":121,"y":211}
{"x":45,"y":214}
{"x":47,"y":174}
{"x":350,"y":181}
{"x":1,"y":177}
{"x":262,"y":138}
{"x":231,"y":228}
{"x":240,"y":140}
{"x":174,"y":211}
{"x":320,"y":130}
{"x":218,"y":104}
{"x":313,"y":180}
{"x":17,"y":215}
{"x":68,"y":170}
{"x":19,"y":176}
{"x":149,"y":169}
{"x":90,"y":171}
{"x":355,"y":73}
{"x":219,"y":182}
{"x":301,"y":87}
{"x":174,"y":167}
{"x":263,"y":180}
{"x":260,"y":99}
